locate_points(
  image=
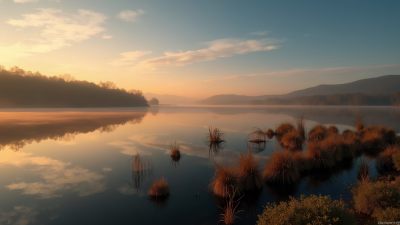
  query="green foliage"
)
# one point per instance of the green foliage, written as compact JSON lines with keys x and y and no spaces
{"x":311,"y":210}
{"x":19,"y":88}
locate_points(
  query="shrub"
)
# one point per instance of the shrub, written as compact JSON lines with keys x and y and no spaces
{"x":317,"y":133}
{"x":396,"y":161}
{"x":371,"y":197}
{"x":229,"y":214}
{"x":224,"y":182}
{"x":292,"y":140}
{"x":159,"y":189}
{"x":311,"y":210}
{"x":281,"y":169}
{"x":257,"y":136}
{"x":384,"y":162}
{"x":248,"y":175}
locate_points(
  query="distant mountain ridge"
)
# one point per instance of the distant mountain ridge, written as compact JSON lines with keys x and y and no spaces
{"x":383,"y":90}
{"x":382,"y":85}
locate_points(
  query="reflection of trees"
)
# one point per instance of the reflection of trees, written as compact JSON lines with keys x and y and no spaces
{"x":18,"y":129}
{"x":141,"y":169}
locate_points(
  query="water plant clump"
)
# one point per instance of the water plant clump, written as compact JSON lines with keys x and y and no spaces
{"x":224,"y":182}
{"x":159,"y":190}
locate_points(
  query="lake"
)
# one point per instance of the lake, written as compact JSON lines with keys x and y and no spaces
{"x":77,"y":166}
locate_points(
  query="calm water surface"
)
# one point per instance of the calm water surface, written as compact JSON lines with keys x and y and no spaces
{"x":78,"y":167}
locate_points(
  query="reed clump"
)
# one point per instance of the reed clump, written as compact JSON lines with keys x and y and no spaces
{"x":375,"y":139}
{"x":159,"y":190}
{"x":175,"y":152}
{"x":248,"y":174}
{"x":281,"y":169}
{"x":270,"y":133}
{"x":283,"y":129}
{"x":215,"y":136}
{"x":224,"y":182}
{"x":363,"y":171}
{"x":292,"y":140}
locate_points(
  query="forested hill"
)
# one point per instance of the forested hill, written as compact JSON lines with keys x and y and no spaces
{"x":25,"y":89}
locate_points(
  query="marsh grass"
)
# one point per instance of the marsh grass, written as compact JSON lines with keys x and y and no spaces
{"x":281,"y":169}
{"x":175,"y":152}
{"x":270,"y":133}
{"x":257,"y":136}
{"x":248,"y":174}
{"x":371,"y":197}
{"x":215,"y":136}
{"x":224,"y":182}
{"x":317,"y":133}
{"x":283,"y":129}
{"x":159,"y":190}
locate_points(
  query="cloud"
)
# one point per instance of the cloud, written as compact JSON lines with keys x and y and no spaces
{"x":19,"y":215}
{"x":130,"y":15}
{"x":56,"y":176}
{"x":107,"y":37}
{"x":24,"y":1}
{"x":129,"y":58}
{"x":221,"y":48}
{"x":53,"y":29}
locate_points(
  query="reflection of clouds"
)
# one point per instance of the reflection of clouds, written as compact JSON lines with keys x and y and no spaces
{"x":20,"y":215}
{"x":56,"y":176}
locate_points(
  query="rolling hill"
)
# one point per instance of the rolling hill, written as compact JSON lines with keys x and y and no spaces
{"x":383,"y":90}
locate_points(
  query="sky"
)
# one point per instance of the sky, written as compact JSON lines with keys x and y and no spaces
{"x":199,"y":48}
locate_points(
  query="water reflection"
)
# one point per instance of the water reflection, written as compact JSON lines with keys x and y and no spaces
{"x":18,"y":129}
{"x":141,"y":169}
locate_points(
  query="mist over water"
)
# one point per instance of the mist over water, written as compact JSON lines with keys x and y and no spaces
{"x":94,"y":166}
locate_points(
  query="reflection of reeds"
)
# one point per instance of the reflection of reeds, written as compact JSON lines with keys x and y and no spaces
{"x":363,"y":171}
{"x":228,"y":215}
{"x":175,"y":152}
{"x":140,"y":170}
{"x":257,"y":136}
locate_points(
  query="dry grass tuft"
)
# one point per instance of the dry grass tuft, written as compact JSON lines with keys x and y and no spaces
{"x":317,"y":133}
{"x":215,"y":136}
{"x":248,"y":174}
{"x":375,"y":139}
{"x":283,"y":129}
{"x":292,"y":140}
{"x":175,"y":153}
{"x":224,"y":182}
{"x":159,"y":189}
{"x":270,"y":133}
{"x":281,"y":169}
{"x":363,"y":171}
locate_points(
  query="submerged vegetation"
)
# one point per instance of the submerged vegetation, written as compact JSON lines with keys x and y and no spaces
{"x":175,"y":153}
{"x":324,"y":150}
